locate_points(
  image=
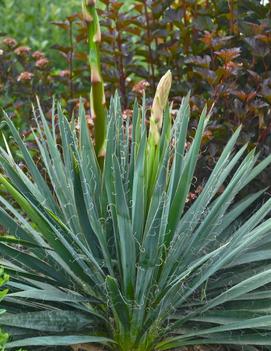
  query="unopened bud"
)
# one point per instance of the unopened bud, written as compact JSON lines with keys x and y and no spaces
{"x":159,"y":104}
{"x":161,"y":98}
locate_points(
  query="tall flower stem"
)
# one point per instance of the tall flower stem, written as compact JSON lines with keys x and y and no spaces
{"x":97,"y":96}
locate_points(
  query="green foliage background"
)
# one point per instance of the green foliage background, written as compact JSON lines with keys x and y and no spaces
{"x":33,"y":20}
{"x":29,"y":21}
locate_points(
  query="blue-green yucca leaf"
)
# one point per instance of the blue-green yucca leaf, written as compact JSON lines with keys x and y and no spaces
{"x":126,"y":241}
{"x":17,"y":228}
{"x":53,"y":234}
{"x":14,"y":240}
{"x":245,"y":285}
{"x":233,"y":214}
{"x":89,"y":163}
{"x":250,"y":320}
{"x":166,"y":131}
{"x":49,"y":295}
{"x":57,"y":169}
{"x":12,"y":226}
{"x":215,"y":212}
{"x":119,"y":305}
{"x":196,"y":213}
{"x":179,"y":131}
{"x":82,"y":209}
{"x":41,"y":183}
{"x":185,"y":179}
{"x":134,"y":141}
{"x":114,"y":253}
{"x":55,"y":340}
{"x":14,"y":270}
{"x":89,"y":217}
{"x":23,"y":184}
{"x":108,"y":192}
{"x":68,"y":144}
{"x":139,"y":191}
{"x":151,"y":248}
{"x":48,"y":321}
{"x":29,"y":262}
{"x":251,"y":323}
{"x":221,"y":171}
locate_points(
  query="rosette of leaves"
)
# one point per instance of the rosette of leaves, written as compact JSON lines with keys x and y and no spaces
{"x":113,"y":255}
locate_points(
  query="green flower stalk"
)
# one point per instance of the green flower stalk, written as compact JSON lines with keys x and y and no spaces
{"x":97,"y":96}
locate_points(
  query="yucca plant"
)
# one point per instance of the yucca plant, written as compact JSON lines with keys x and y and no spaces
{"x":111,"y":254}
